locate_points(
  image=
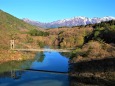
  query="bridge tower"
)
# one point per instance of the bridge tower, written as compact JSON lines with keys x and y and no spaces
{"x":11,"y":44}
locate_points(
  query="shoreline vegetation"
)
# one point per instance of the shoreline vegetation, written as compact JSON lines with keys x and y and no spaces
{"x":93,"y":60}
{"x":9,"y":55}
{"x":97,"y":67}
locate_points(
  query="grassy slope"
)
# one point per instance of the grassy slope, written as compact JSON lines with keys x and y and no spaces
{"x":11,"y":27}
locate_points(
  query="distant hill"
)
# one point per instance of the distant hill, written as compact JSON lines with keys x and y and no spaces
{"x":76,"y":21}
{"x":8,"y":21}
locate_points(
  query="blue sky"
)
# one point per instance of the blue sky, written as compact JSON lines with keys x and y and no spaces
{"x":52,"y":10}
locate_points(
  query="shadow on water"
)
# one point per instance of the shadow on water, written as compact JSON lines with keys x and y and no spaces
{"x":33,"y":78}
{"x":95,"y":72}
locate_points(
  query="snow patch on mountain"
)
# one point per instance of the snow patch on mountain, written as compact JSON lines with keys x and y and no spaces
{"x":75,"y":21}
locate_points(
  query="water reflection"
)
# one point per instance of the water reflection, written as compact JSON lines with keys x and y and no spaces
{"x":33,"y":78}
{"x":53,"y":61}
{"x":40,"y":57}
{"x":49,"y":61}
{"x":12,"y":74}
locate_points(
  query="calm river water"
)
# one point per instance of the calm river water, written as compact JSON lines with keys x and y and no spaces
{"x":11,"y":73}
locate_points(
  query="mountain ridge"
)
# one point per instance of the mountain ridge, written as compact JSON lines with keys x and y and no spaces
{"x":75,"y":21}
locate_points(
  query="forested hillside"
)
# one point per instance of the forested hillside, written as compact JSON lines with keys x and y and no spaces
{"x":94,"y":62}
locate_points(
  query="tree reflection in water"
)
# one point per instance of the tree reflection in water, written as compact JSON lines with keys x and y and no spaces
{"x":16,"y":74}
{"x":40,"y":56}
{"x":47,"y":61}
{"x":12,"y":74}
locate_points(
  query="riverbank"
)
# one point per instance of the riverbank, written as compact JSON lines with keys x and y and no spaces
{"x":93,"y":65}
{"x":94,"y":72}
{"x":9,"y":55}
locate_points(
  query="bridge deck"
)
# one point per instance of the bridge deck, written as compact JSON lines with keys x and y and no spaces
{"x":55,"y":72}
{"x":38,"y":50}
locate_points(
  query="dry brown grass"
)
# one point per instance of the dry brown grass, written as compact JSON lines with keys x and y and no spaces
{"x":94,"y":50}
{"x":8,"y":55}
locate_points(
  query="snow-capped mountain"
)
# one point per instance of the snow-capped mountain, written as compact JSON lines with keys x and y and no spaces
{"x":76,"y":21}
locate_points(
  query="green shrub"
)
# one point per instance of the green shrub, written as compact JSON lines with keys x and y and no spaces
{"x":40,"y":44}
{"x":29,"y":39}
{"x":35,"y":32}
